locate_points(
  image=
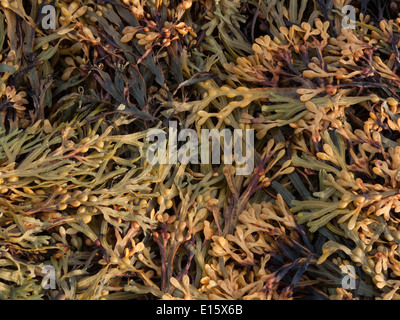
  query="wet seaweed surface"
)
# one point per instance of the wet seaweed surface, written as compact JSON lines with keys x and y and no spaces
{"x":81,"y":202}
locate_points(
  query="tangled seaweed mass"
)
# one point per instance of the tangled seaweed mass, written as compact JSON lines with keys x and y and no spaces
{"x":78,"y":195}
